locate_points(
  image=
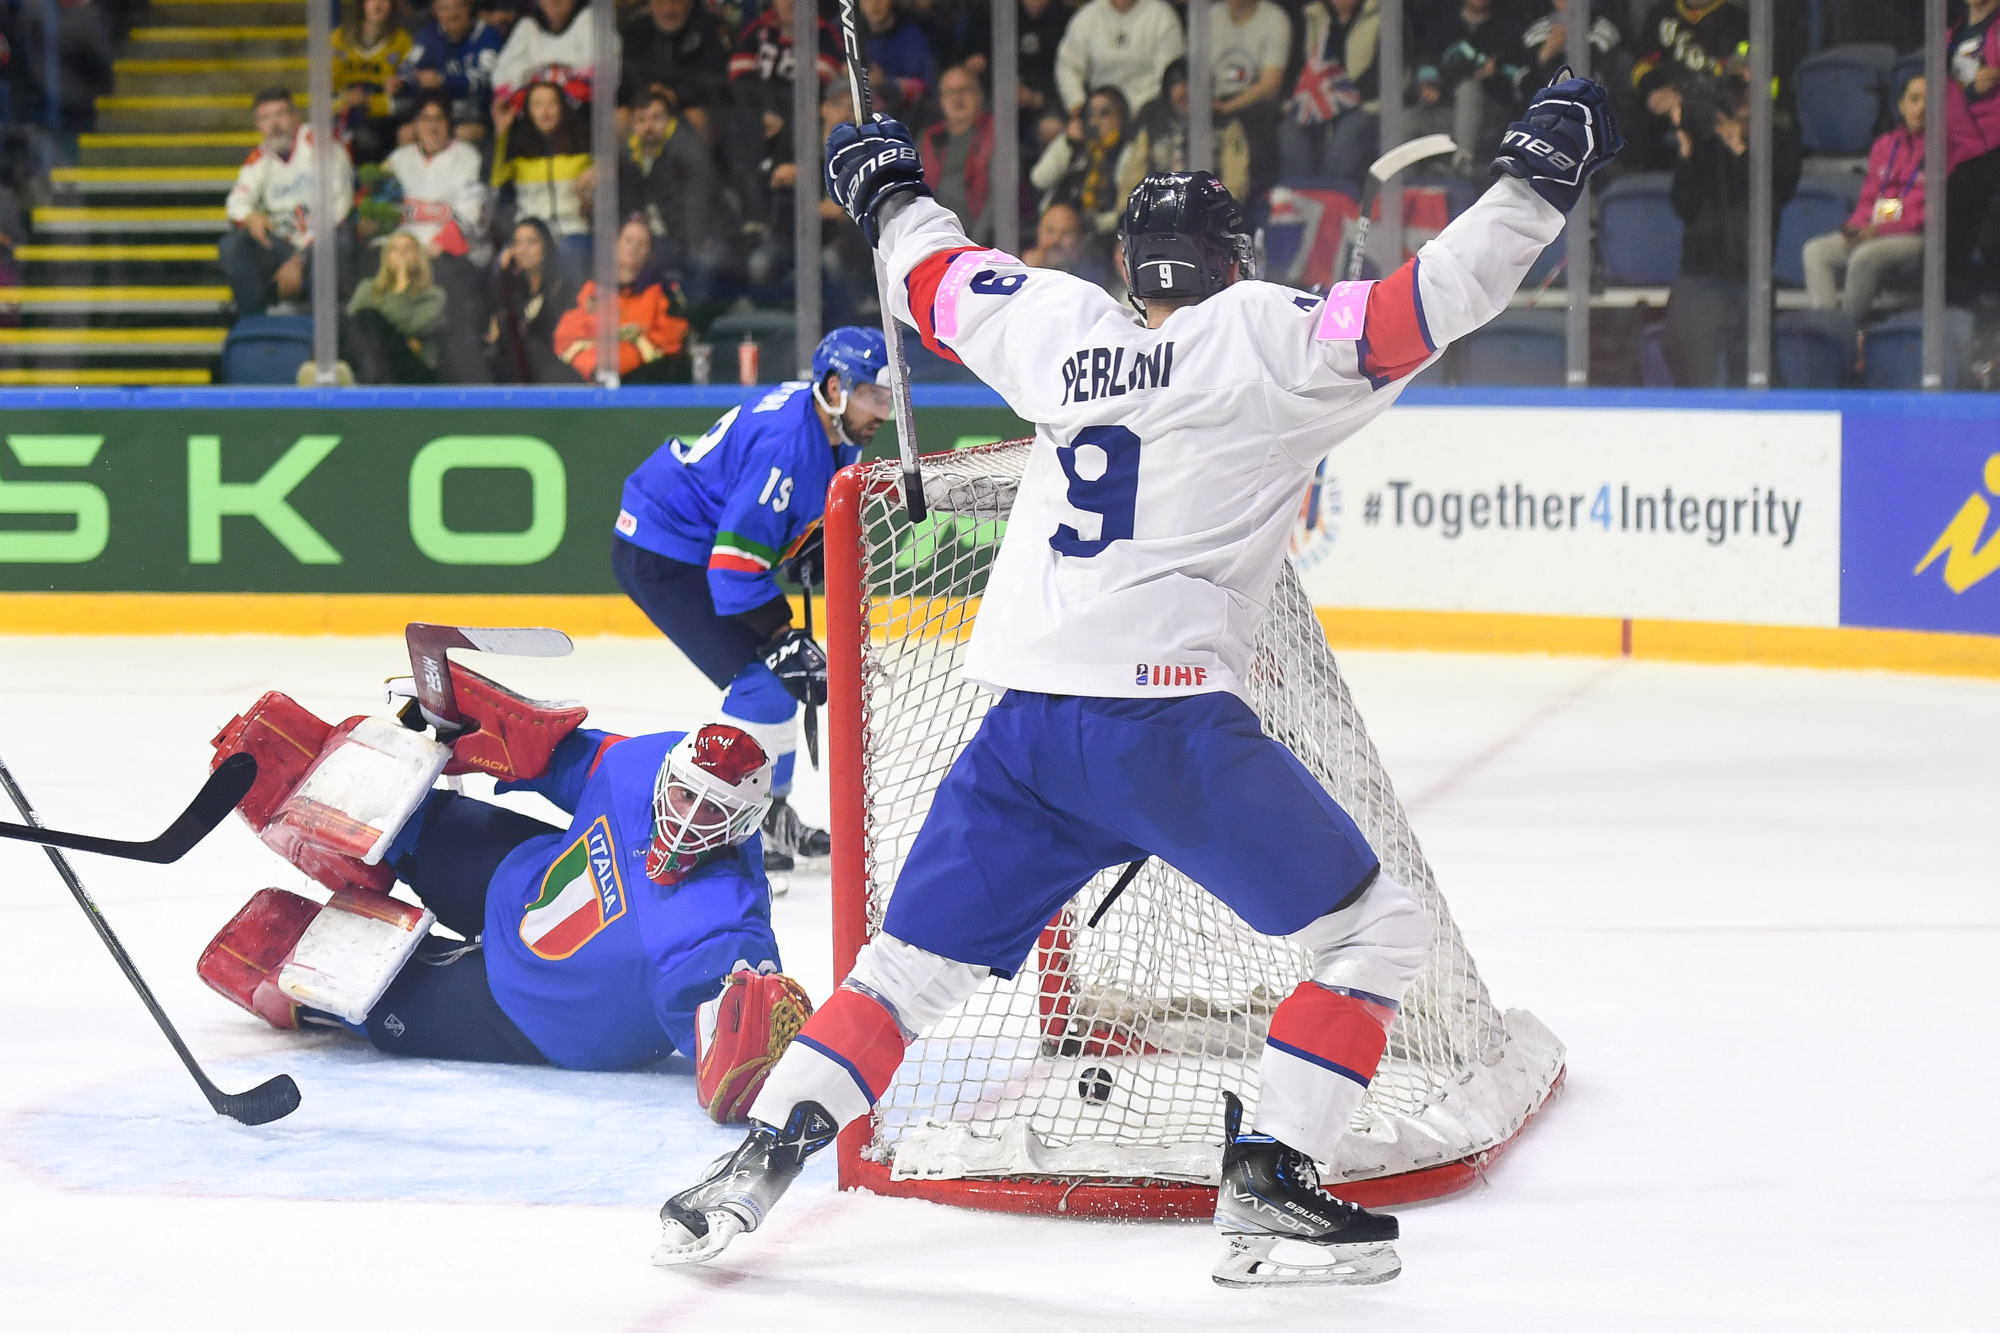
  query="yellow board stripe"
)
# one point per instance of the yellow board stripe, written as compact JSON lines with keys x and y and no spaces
{"x":34,"y":337}
{"x":88,"y":295}
{"x":1665,"y":640}
{"x":91,"y":175}
{"x":105,"y":254}
{"x":1437,"y":631}
{"x":177,"y":139}
{"x":188,"y":213}
{"x":175,"y":102}
{"x":78,"y":378}
{"x":281,"y":32}
{"x":218,"y":66}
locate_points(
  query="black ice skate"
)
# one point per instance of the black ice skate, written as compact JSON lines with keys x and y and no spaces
{"x":1270,"y":1193}
{"x":698,"y":1223}
{"x":785,"y":832}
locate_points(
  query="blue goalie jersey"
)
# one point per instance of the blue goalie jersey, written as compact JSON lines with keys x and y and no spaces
{"x":601,"y":967}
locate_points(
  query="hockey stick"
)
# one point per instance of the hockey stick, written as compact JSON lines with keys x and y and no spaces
{"x":1124,"y":882}
{"x":812,"y":711}
{"x":218,"y":796}
{"x":270,"y":1100}
{"x":899,"y":369}
{"x":1380,"y":173}
{"x":430,"y":643}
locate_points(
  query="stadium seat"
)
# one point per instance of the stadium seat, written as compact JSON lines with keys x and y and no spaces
{"x":1843,"y":93}
{"x":1821,"y":205}
{"x":1894,"y":351}
{"x":1639,"y":236}
{"x":1517,"y":347}
{"x":1813,"y":349}
{"x":267,"y":349}
{"x":1655,"y":370}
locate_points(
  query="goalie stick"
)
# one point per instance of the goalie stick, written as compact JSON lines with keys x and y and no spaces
{"x":429,"y":644}
{"x":227,"y":785}
{"x":1380,"y":173}
{"x":899,"y":369}
{"x":270,"y":1100}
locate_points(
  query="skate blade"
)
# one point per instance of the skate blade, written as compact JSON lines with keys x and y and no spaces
{"x":678,"y":1246}
{"x":1248,"y":1263}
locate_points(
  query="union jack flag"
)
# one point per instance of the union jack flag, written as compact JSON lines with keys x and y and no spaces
{"x":1323,"y":91}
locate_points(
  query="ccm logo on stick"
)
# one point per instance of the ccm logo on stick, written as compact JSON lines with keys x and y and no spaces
{"x":1171,"y":675}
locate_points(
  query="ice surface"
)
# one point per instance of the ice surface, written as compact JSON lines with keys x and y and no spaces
{"x":1762,"y":908}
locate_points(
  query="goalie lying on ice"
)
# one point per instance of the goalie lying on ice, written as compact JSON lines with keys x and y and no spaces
{"x":642,"y":928}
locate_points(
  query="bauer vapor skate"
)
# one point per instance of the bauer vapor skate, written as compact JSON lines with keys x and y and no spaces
{"x":698,"y":1223}
{"x":1271,"y":1195}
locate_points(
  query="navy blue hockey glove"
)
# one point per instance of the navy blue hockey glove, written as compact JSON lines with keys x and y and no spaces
{"x":1565,"y":137}
{"x":868,"y":165}
{"x":799,"y":664}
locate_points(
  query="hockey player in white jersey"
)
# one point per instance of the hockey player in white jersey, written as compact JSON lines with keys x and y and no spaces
{"x":1117,"y":624}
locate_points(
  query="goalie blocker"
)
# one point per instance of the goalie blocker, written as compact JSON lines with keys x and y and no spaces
{"x":605,"y":945}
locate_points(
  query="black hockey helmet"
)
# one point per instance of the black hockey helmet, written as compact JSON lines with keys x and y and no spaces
{"x":1181,"y":232}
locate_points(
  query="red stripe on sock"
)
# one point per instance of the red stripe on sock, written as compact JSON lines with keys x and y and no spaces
{"x":1395,"y":326}
{"x":1349,"y":1032}
{"x":923,"y":284}
{"x":861,"y":1032}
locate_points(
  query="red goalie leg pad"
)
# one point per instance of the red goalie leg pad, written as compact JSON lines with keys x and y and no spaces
{"x":516,"y":735}
{"x":739,"y":1035}
{"x":241,"y":963}
{"x":860,"y":1035}
{"x":286,"y":740}
{"x":1343,"y":1031}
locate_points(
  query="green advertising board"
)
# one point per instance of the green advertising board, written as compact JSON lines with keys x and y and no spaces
{"x":473,"y":498}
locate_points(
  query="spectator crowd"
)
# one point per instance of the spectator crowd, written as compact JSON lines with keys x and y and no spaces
{"x":466,"y":182}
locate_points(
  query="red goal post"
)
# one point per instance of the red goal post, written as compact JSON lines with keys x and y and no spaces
{"x":1000,"y":1075}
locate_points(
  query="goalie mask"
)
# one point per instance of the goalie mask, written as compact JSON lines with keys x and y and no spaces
{"x":711,"y":795}
{"x":1181,"y":233}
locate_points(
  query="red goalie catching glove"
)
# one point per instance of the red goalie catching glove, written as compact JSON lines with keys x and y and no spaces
{"x":740,"y":1034}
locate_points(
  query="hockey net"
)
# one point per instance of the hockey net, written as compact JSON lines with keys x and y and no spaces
{"x":1091,"y":1082}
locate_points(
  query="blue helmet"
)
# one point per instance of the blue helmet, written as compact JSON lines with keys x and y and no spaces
{"x":860,"y":355}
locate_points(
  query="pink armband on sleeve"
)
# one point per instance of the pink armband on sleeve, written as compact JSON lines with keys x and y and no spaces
{"x":1345,"y":312}
{"x":963,"y":266}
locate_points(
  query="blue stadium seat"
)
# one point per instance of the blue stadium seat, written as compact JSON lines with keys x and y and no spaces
{"x":1517,"y":347}
{"x":267,"y":349}
{"x":1894,"y":351}
{"x":1813,"y":349}
{"x":1843,"y":93}
{"x":1820,"y":206}
{"x":1638,"y":235}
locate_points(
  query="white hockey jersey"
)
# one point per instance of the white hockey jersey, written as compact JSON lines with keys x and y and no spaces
{"x":444,"y":197}
{"x":281,"y":188}
{"x":1168,"y":464}
{"x":567,"y":59}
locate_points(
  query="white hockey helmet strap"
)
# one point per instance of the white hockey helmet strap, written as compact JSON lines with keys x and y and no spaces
{"x":712,"y":792}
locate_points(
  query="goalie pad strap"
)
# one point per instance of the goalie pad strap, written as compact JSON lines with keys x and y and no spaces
{"x":285,"y":739}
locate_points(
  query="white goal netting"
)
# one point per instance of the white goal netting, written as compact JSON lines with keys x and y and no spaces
{"x":1105,"y":1057}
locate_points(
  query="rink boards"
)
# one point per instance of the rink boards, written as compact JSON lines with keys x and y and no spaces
{"x":1839,"y":529}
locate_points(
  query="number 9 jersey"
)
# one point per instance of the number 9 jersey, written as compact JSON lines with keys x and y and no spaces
{"x":1157,"y":502}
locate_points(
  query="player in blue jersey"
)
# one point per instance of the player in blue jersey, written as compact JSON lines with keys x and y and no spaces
{"x":631,"y":933}
{"x":705,"y":527}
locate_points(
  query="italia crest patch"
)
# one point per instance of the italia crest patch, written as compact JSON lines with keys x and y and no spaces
{"x":581,"y":894}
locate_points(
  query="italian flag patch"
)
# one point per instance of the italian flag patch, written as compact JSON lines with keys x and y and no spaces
{"x":581,"y":894}
{"x":733,"y":551}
